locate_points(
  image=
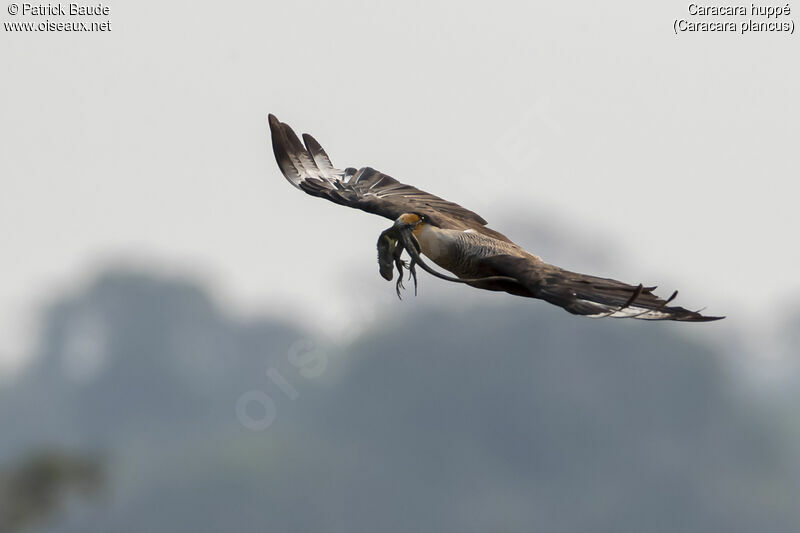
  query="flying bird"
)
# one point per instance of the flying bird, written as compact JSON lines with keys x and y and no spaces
{"x":458,"y":240}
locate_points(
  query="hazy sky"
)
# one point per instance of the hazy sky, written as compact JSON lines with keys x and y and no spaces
{"x":149,"y":143}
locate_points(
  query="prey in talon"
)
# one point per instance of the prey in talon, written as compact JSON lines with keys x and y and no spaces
{"x":390,"y":251}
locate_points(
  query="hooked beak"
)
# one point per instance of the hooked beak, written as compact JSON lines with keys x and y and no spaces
{"x":401,"y":224}
{"x":408,"y":220}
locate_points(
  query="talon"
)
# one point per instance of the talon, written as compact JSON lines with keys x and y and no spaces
{"x":413,"y":274}
{"x":400,"y":264}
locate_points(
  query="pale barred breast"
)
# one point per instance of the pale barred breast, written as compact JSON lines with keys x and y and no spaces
{"x":474,"y":244}
{"x":459,"y":251}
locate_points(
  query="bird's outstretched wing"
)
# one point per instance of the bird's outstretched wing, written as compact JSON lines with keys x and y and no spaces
{"x":309,"y":168}
{"x":582,"y":294}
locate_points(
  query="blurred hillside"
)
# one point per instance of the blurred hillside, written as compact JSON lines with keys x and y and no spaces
{"x":33,"y":489}
{"x":519,"y":418}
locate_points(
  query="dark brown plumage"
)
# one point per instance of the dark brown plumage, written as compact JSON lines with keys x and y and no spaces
{"x":458,"y":239}
{"x":310,"y":169}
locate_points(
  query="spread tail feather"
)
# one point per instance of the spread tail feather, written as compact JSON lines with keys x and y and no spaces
{"x":591,"y":296}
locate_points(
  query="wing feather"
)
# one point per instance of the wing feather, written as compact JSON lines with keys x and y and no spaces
{"x":582,"y":294}
{"x":309,"y":168}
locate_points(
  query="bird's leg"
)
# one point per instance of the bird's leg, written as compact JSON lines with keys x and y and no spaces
{"x":398,"y":261}
{"x":399,"y":285}
{"x":412,"y":273}
{"x":400,"y":265}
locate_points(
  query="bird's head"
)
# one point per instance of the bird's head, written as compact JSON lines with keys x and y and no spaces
{"x":407,"y":226}
{"x":410,"y":220}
